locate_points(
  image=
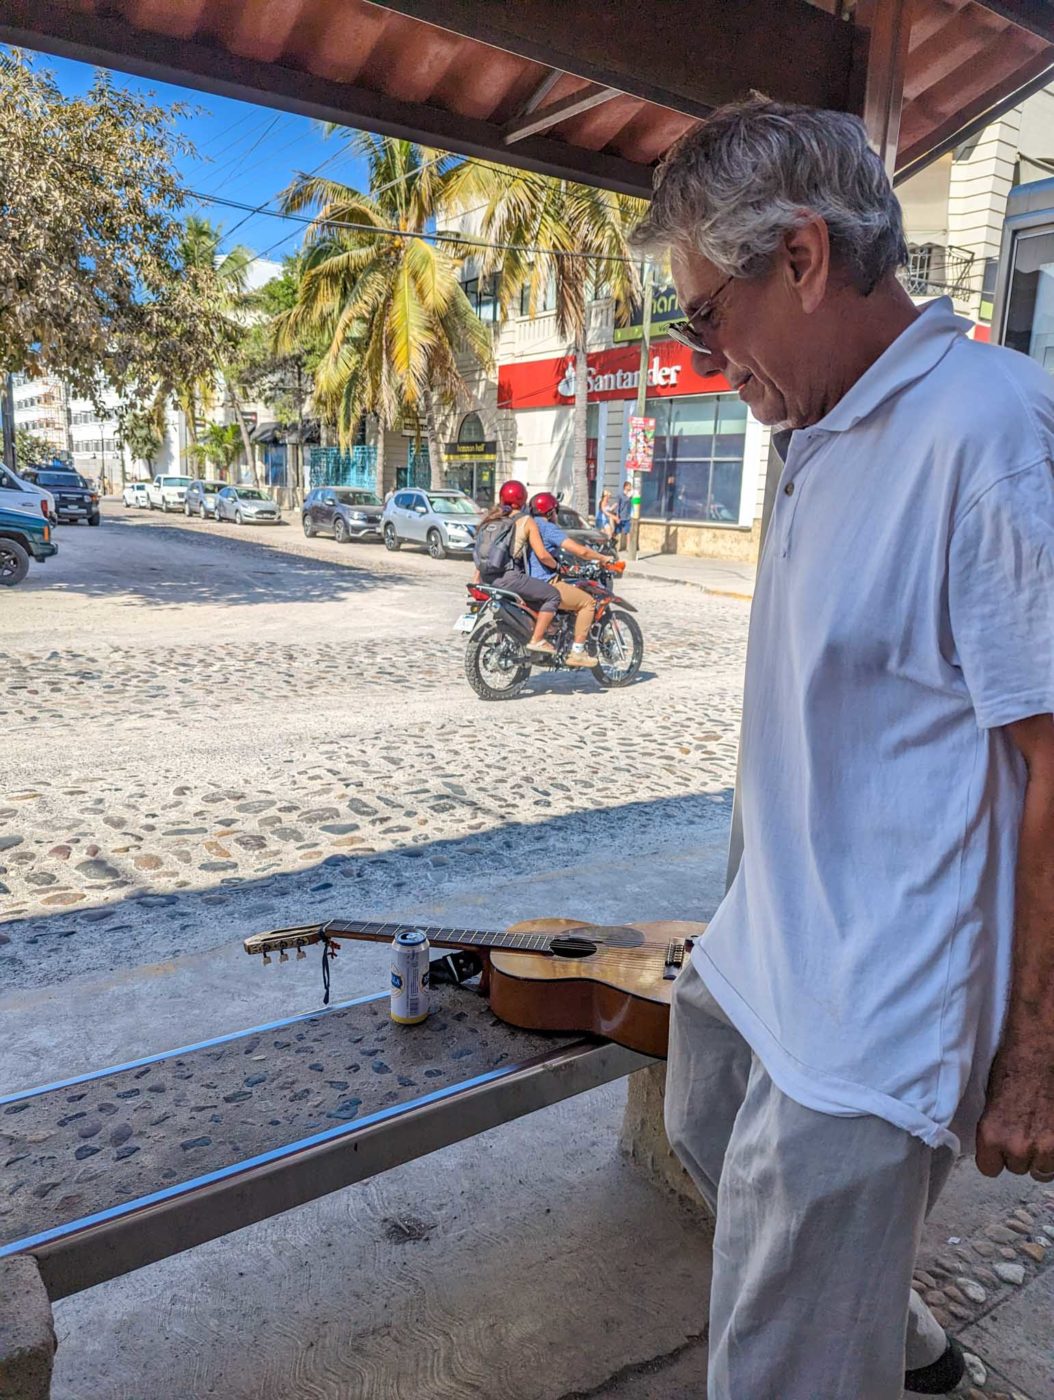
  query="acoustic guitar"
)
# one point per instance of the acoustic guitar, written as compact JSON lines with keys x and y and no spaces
{"x":546,"y":974}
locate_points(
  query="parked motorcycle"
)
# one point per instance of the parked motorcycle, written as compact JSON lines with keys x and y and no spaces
{"x":498,"y":624}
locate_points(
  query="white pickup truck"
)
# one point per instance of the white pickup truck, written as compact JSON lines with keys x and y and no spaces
{"x":167,"y":492}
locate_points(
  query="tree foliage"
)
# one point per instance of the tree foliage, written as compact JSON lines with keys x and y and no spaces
{"x":31,"y":449}
{"x":220,"y":446}
{"x":386,"y":299}
{"x":89,"y":229}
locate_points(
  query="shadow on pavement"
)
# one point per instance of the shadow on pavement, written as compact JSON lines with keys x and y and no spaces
{"x":272,"y":576}
{"x":147,"y":926}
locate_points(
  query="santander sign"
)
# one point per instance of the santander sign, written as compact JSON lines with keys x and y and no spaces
{"x":613,"y":374}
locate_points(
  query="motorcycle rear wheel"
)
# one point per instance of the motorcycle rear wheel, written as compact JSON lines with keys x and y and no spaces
{"x":620,"y":650}
{"x":495,"y":665}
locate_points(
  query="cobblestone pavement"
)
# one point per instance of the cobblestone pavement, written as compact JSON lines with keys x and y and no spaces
{"x":205,"y":734}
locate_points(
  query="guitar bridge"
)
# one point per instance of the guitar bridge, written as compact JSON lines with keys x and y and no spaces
{"x":674,"y":960}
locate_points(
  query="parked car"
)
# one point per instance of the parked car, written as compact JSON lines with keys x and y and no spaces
{"x":201,"y":498}
{"x":167,"y":493}
{"x":246,"y":505}
{"x":346,"y":513}
{"x":74,"y":498}
{"x":135,"y":494}
{"x":572,"y":523}
{"x":23,"y":536}
{"x":25,"y":497}
{"x":442,"y":521}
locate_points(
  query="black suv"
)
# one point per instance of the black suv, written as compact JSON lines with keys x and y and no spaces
{"x":74,"y":498}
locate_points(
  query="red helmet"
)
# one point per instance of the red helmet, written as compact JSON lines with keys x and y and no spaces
{"x":544,"y":503}
{"x":513,"y":494}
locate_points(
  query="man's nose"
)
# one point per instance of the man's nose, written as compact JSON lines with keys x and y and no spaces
{"x":708,"y":364}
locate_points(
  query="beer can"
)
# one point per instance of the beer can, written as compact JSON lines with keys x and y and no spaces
{"x":410,"y":954}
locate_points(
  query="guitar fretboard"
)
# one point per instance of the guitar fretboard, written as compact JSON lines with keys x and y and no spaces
{"x":444,"y":937}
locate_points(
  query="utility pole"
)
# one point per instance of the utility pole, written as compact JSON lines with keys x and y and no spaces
{"x":642,"y":398}
{"x":8,"y":406}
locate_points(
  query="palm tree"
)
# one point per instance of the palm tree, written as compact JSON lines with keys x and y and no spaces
{"x":384,"y":293}
{"x":572,"y":237}
{"x":220,"y":446}
{"x":221,"y":280}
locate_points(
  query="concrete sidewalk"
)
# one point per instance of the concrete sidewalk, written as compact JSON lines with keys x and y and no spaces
{"x":729,"y":578}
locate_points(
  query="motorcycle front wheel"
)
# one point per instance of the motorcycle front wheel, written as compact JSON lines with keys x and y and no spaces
{"x":620,"y":650}
{"x":495,"y":665}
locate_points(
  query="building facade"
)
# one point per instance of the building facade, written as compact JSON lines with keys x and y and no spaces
{"x":41,"y":408}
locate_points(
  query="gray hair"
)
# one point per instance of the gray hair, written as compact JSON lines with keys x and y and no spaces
{"x":732,"y":188}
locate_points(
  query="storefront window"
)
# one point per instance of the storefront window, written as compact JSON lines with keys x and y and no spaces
{"x":698,"y":470}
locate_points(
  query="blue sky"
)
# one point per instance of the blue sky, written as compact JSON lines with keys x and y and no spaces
{"x":246,"y":153}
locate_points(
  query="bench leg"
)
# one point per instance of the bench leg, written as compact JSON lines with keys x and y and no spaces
{"x":643,"y":1139}
{"x":27,"y":1333}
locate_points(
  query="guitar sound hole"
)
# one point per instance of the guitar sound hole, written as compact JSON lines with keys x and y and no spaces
{"x":569,"y":945}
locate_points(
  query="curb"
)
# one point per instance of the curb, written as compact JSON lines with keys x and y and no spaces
{"x":694,"y":583}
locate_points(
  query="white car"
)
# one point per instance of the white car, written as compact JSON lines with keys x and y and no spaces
{"x":136,"y":494}
{"x":24,"y":496}
{"x":167,"y":493}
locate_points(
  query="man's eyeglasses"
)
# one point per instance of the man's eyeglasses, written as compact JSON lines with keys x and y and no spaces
{"x":685,"y":332}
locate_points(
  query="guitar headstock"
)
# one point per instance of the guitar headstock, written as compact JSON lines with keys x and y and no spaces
{"x":279,"y":940}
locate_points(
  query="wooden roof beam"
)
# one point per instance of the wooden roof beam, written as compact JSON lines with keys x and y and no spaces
{"x":544,"y":117}
{"x":888,"y":23}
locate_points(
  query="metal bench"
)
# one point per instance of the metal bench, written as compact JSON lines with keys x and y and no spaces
{"x":125,"y":1166}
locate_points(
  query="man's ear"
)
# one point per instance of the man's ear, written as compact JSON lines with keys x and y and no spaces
{"x":806,"y":257}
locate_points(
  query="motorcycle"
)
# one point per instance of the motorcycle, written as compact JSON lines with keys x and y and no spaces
{"x":498,"y":624}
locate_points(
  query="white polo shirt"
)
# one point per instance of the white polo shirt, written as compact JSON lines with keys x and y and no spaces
{"x":904,"y":611}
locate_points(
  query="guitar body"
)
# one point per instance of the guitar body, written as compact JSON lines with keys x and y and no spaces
{"x":611,"y":980}
{"x":618,"y":992}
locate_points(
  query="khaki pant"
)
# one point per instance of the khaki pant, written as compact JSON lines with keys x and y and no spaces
{"x":818,"y":1222}
{"x":579,"y":602}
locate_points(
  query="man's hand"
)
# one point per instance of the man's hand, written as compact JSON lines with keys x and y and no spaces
{"x":1016,"y":1130}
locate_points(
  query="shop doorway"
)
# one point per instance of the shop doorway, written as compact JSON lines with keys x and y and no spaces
{"x":471,"y":461}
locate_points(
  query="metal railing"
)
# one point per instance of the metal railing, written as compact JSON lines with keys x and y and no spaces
{"x":934,"y":269}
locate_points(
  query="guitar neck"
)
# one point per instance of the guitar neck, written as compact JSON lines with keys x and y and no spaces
{"x":440,"y":937}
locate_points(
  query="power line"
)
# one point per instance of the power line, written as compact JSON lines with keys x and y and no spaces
{"x":385,"y":231}
{"x":378,"y":231}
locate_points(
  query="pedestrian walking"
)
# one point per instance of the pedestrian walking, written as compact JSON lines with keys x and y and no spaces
{"x":871,"y":998}
{"x":606,"y":516}
{"x":624,"y":515}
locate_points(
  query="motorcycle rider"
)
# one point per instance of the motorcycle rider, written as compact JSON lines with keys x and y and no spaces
{"x":540,"y":565}
{"x":537,"y":593}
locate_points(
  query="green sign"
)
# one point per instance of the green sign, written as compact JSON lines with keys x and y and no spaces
{"x":664,"y":309}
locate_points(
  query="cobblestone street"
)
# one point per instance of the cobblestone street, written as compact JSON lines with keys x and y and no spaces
{"x":197,"y":719}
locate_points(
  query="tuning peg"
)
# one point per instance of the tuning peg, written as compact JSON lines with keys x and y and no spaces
{"x":300,"y":954}
{"x":283,"y":956}
{"x":267,"y":959}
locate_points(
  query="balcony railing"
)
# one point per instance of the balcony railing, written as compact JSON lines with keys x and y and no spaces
{"x":935,"y":270}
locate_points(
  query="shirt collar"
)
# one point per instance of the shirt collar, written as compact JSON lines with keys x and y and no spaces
{"x":916,"y":351}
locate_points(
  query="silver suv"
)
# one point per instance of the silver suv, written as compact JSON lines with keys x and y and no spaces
{"x":443,"y":521}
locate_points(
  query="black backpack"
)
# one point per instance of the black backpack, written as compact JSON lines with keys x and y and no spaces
{"x":493,"y":550}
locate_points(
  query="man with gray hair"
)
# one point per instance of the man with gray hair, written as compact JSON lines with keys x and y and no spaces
{"x":876,"y":992}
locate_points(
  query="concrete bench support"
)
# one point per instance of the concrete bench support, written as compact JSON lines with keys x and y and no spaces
{"x":644,"y":1139}
{"x":27,"y":1333}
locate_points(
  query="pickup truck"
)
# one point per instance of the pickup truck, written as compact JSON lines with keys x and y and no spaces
{"x":22,"y":537}
{"x":167,"y":493}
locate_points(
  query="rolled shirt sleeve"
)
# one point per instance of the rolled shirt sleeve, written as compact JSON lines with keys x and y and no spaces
{"x":1001,"y":596}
